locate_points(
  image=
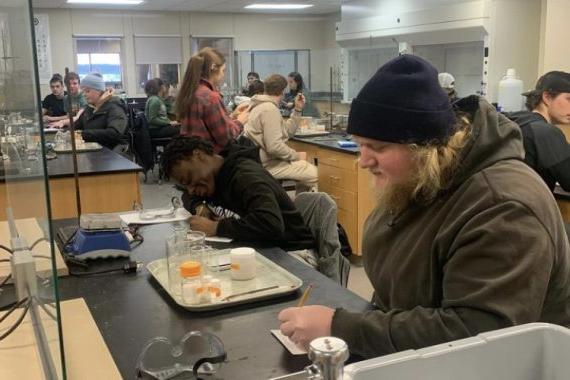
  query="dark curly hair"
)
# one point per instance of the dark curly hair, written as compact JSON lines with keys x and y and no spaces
{"x":181,"y":148}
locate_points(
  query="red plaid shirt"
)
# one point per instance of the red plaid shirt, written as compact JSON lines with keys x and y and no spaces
{"x":208,"y":118}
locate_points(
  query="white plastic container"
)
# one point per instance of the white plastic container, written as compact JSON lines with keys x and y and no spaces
{"x":535,"y":351}
{"x":243,"y":263}
{"x":510,"y":92}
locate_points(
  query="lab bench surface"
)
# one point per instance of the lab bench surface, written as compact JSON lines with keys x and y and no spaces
{"x":328,"y":142}
{"x":343,"y":179}
{"x":104,"y":161}
{"x":132,"y":309}
{"x":108,"y":182}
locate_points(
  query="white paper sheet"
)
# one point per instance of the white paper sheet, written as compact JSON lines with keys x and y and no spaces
{"x":133,"y":217}
{"x":218,"y":239}
{"x":288,"y":343}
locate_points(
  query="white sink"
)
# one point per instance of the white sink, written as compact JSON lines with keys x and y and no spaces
{"x":535,"y":351}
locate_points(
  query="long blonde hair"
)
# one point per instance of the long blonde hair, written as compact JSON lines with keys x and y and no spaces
{"x":436,"y":164}
{"x":200,"y":66}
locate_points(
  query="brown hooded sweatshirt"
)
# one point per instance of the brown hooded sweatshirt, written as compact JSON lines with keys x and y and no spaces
{"x":490,"y":252}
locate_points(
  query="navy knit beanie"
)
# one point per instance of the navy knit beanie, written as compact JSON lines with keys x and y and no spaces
{"x":403,"y":103}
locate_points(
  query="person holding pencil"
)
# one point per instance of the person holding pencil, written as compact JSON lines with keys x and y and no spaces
{"x":465,"y":238}
{"x":235,"y":180}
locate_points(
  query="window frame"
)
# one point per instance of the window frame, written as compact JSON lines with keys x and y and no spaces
{"x":121,"y":39}
{"x":233,"y":83}
{"x":155,"y":73}
{"x":296,"y":62}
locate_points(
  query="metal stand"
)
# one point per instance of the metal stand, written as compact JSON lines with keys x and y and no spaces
{"x":73,"y":146}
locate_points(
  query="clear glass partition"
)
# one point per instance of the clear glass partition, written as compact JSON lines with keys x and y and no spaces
{"x":31,"y":343}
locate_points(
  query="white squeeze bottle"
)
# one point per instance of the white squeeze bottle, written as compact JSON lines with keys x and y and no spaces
{"x":510,"y":92}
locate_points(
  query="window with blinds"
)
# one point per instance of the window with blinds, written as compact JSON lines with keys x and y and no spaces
{"x":158,"y":57}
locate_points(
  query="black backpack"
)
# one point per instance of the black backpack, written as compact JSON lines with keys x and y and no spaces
{"x":345,"y":248}
{"x":142,"y":147}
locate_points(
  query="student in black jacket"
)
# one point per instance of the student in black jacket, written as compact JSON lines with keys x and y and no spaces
{"x":52,"y":105}
{"x":236,"y":181}
{"x":105,"y":118}
{"x":546,"y":149}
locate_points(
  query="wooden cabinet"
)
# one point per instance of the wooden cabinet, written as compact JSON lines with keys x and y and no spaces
{"x":106,"y":192}
{"x":347,"y":184}
{"x":311,"y":150}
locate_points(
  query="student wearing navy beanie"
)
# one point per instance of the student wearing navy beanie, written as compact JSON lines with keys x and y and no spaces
{"x":403,"y":103}
{"x":465,"y":238}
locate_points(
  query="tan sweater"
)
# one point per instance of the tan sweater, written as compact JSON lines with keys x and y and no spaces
{"x":268,"y":130}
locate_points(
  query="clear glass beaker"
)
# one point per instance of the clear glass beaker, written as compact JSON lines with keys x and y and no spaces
{"x":179,"y":251}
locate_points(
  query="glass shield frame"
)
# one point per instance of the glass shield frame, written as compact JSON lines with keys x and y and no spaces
{"x":25,"y":214}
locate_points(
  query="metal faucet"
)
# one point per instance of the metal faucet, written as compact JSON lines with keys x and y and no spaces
{"x":328,"y":355}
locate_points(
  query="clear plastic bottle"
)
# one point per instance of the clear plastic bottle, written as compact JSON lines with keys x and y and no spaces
{"x":191,"y":285}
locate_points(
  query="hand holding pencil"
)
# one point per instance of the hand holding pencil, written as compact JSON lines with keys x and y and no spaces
{"x":302,"y":324}
{"x":203,"y":221}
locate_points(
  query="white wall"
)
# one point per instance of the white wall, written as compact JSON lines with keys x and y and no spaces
{"x":555,"y":28}
{"x":250,"y":31}
{"x":514,"y":42}
{"x":513,"y":27}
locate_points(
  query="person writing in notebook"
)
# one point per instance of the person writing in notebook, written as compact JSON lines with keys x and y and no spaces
{"x":235,"y":180}
{"x":464,"y":238}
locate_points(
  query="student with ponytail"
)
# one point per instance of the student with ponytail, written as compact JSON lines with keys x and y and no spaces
{"x":199,"y":104}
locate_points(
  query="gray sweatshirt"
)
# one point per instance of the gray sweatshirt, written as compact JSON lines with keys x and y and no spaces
{"x":268,"y":130}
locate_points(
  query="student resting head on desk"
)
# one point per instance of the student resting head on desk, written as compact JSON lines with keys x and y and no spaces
{"x":105,"y":119}
{"x":236,"y":181}
{"x":464,"y":238}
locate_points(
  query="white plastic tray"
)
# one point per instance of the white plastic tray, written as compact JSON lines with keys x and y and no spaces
{"x":270,"y":276}
{"x":80,"y":147}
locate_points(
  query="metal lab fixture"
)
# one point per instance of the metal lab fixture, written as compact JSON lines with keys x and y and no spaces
{"x":328,"y":355}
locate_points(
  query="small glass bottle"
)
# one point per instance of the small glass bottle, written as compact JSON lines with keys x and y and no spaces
{"x":206,"y":281}
{"x":191,"y":285}
{"x":180,"y":231}
{"x":215,"y":289}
